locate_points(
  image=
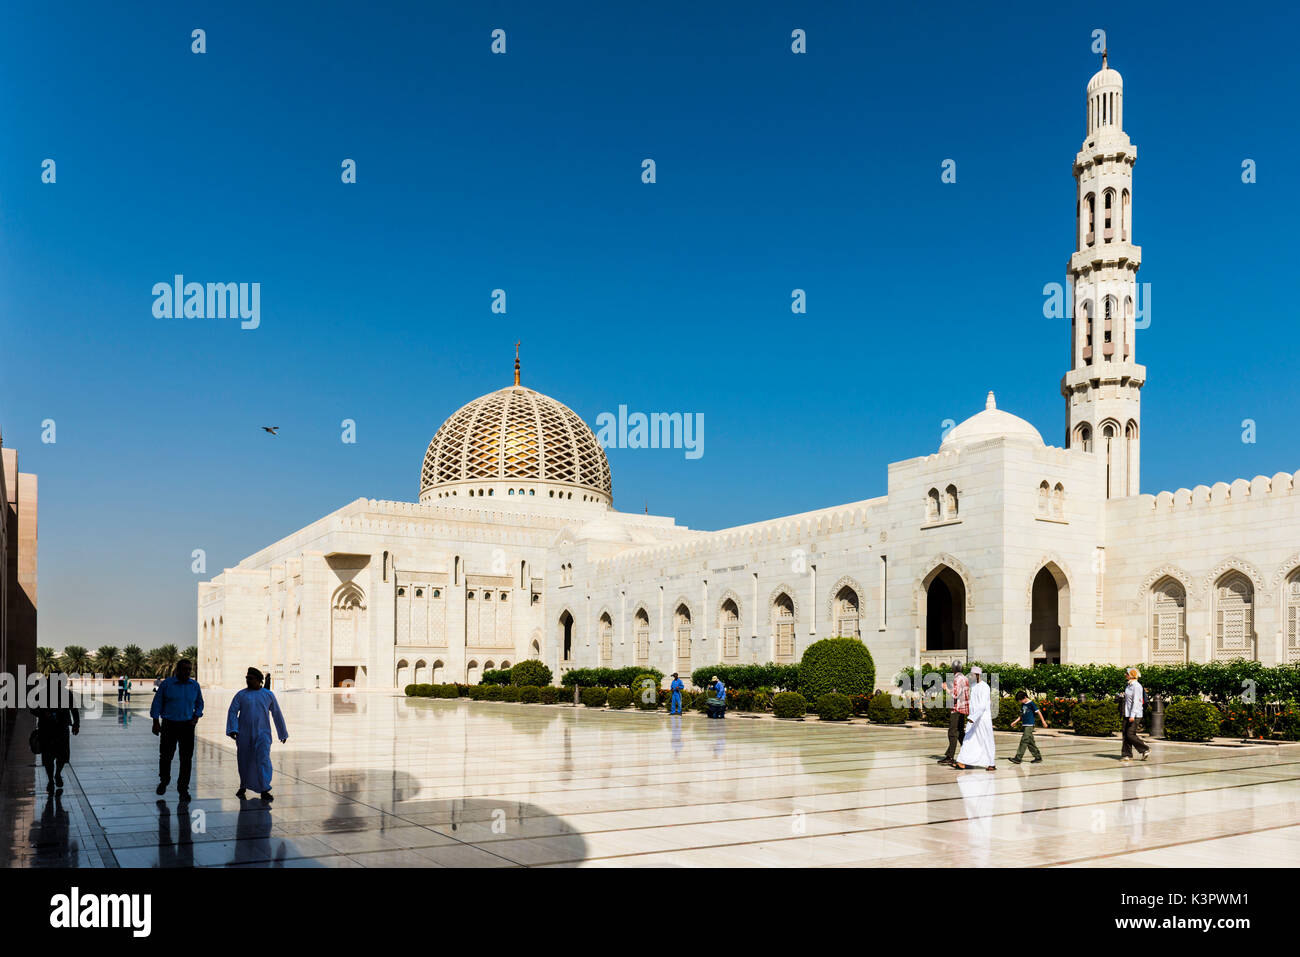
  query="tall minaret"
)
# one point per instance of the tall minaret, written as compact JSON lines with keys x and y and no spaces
{"x":1101,"y":390}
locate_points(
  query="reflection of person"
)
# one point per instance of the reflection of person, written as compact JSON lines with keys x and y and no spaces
{"x":176,"y":709}
{"x":1132,"y":718}
{"x":1029,"y":713}
{"x":247,"y":723}
{"x":675,"y":704}
{"x":55,"y":718}
{"x":978,"y":747}
{"x":960,"y":692}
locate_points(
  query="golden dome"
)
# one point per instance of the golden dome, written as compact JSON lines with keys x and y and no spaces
{"x":516,"y":433}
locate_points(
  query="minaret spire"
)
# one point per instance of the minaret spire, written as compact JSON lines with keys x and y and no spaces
{"x":516,"y":363}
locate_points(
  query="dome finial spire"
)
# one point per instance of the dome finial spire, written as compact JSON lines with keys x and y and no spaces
{"x":516,"y":363}
{"x":1104,"y":51}
{"x":990,"y":402}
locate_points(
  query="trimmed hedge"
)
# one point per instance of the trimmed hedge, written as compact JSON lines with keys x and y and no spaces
{"x":749,"y":677}
{"x":594,"y":697}
{"x":509,"y":692}
{"x":530,"y":672}
{"x":836,"y":664}
{"x":645,"y":690}
{"x":881,"y":710}
{"x":1096,"y":719}
{"x":1219,"y":681}
{"x":834,"y":707}
{"x":608,"y":677}
{"x":548,"y":694}
{"x":789,"y":704}
{"x":529,"y":694}
{"x":1190,"y":720}
{"x":619,"y":697}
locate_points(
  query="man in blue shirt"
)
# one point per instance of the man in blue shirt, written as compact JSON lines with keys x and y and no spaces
{"x":1030,"y":713}
{"x":176,"y":709}
{"x":675,"y":703}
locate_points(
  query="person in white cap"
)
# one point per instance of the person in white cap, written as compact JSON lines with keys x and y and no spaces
{"x":977,"y":749}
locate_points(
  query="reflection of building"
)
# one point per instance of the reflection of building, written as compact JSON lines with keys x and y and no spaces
{"x":996,"y":546}
{"x":17,"y":572}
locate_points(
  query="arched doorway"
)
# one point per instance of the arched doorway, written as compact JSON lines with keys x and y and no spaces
{"x":1049,"y":612}
{"x":566,"y":636}
{"x":945,"y":611}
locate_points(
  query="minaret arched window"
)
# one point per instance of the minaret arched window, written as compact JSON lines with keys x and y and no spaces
{"x":1108,"y":343}
{"x":1083,"y":437}
{"x":1090,"y":219}
{"x":1087,"y":332}
{"x":1058,"y":501}
{"x":1128,"y":323}
{"x":1108,"y":213}
{"x":1108,"y":434}
{"x":1124,"y":213}
{"x":932,"y":505}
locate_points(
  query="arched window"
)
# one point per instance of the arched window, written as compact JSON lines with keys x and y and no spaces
{"x":1044,"y":494}
{"x":729,"y":624}
{"x":439,"y":672}
{"x":1124,"y":216}
{"x":950,"y":502}
{"x":488,"y":666}
{"x":471,"y":672}
{"x":1293,"y":617}
{"x":1109,"y":308}
{"x":606,"y":639}
{"x":783,"y":625}
{"x":566,"y":636}
{"x":1090,"y":219}
{"x":1083,"y":437}
{"x":682,"y":633}
{"x":846,"y":613}
{"x":1058,"y":501}
{"x":1108,"y":435}
{"x":1108,"y":210}
{"x":403,"y":673}
{"x":1234,"y":617}
{"x":1168,"y":622}
{"x":505,"y":666}
{"x":932,"y":505}
{"x":1087,"y":332}
{"x":641,"y":627}
{"x":421,"y":672}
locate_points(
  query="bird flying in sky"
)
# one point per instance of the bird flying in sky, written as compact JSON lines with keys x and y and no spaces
{"x":273,"y":429}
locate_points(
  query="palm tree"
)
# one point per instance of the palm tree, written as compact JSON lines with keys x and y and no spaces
{"x":75,"y":660}
{"x":106,"y":660}
{"x":192,"y":653}
{"x":134,"y":661}
{"x":163,"y":660}
{"x":47,"y":660}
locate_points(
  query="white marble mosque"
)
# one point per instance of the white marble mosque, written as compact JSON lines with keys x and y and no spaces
{"x":995,"y":546}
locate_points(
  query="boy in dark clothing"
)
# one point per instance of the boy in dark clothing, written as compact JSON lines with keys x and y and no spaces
{"x":1030,"y":713}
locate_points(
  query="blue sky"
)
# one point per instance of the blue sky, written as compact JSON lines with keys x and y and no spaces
{"x":522,"y":172}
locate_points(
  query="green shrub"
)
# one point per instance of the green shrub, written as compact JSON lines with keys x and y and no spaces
{"x":836,"y":664}
{"x":530,"y":672}
{"x":882,"y":709}
{"x":749,"y":677}
{"x":549,"y":694}
{"x":409,"y":690}
{"x":1189,"y":720}
{"x":496,"y":676}
{"x":1096,"y":719}
{"x":936,"y":717}
{"x":529,"y":694}
{"x":493,"y":692}
{"x":789,"y":704}
{"x":834,"y":707}
{"x":1008,"y":711}
{"x":619,"y":697}
{"x":645,"y":690}
{"x":475,"y":692}
{"x":595,"y":697}
{"x":509,"y":692}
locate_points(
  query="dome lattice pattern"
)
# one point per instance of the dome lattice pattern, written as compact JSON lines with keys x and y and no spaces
{"x":516,"y":433}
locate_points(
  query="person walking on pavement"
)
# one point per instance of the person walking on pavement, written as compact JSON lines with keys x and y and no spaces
{"x":176,"y":709}
{"x":960,"y":693}
{"x":1133,"y":696}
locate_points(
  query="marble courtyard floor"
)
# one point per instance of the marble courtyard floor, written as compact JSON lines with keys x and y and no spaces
{"x":375,"y":780}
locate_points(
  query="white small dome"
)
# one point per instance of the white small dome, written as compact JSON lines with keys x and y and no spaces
{"x":1105,"y":77}
{"x":992,"y":423}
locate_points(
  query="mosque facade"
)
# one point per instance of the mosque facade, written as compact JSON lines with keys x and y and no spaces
{"x":996,"y":547}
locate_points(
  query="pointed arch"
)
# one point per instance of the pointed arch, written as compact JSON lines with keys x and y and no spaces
{"x":840,"y":615}
{"x":1047,"y":602}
